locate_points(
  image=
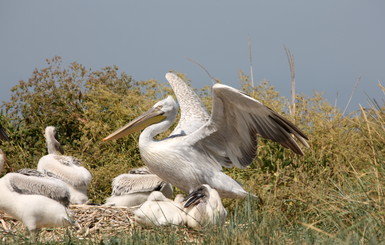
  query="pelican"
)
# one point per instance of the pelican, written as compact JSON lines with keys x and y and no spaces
{"x":35,"y":199}
{"x":202,"y":144}
{"x":3,"y":135}
{"x":65,"y":168}
{"x":133,"y":189}
{"x":203,"y":207}
{"x":159,"y":210}
{"x":200,"y":208}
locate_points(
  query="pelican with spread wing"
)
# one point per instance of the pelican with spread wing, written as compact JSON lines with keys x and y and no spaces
{"x":202,"y":144}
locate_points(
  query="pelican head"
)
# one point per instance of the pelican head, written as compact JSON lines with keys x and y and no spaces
{"x":164,"y":110}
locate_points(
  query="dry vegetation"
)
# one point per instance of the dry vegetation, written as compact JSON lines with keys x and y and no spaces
{"x":333,"y":194}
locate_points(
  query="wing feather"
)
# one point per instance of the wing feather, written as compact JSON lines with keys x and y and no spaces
{"x":193,"y":113}
{"x":45,"y":186}
{"x":133,"y":183}
{"x":235,"y":122}
{"x":65,"y":168}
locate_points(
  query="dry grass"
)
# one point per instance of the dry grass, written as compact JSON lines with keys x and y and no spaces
{"x":335,"y":194}
{"x":92,"y":222}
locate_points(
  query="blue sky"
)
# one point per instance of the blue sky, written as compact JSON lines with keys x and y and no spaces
{"x":333,"y":42}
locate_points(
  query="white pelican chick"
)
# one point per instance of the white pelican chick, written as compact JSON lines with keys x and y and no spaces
{"x":204,"y":207}
{"x":35,"y":199}
{"x":66,"y":168}
{"x":159,"y":210}
{"x":133,"y":189}
{"x":195,"y":152}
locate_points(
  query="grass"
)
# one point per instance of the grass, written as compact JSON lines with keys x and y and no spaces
{"x":350,"y":212}
{"x":334,"y":194}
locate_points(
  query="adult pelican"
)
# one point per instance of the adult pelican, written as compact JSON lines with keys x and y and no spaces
{"x":34,"y":198}
{"x":200,"y":145}
{"x":133,"y":189}
{"x":65,"y":168}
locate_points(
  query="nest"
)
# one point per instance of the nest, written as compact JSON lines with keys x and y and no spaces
{"x":92,"y":221}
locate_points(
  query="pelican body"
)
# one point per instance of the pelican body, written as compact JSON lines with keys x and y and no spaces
{"x":34,"y":210}
{"x":134,"y":188}
{"x":66,"y":168}
{"x":200,"y":208}
{"x":35,"y":199}
{"x":201,"y":145}
{"x":159,"y":210}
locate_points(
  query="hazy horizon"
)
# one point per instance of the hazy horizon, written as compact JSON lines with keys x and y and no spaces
{"x":334,"y":43}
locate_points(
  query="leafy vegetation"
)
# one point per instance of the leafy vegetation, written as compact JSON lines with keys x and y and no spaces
{"x":333,"y":194}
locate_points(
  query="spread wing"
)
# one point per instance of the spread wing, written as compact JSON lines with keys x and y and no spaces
{"x":230,"y":136}
{"x":193,"y":113}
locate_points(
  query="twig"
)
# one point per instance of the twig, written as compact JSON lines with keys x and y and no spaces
{"x":351,"y":95}
{"x":213,"y":80}
{"x":6,"y":229}
{"x":290,"y":59}
{"x":251,"y":64}
{"x":310,"y":226}
{"x":336,"y":100}
{"x":370,"y":135}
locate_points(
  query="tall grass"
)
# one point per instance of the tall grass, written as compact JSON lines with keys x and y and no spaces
{"x":332,"y":195}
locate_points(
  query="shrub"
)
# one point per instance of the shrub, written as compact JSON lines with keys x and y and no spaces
{"x":336,"y":190}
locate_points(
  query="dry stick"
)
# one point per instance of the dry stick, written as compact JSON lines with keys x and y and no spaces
{"x":310,"y":226}
{"x":376,"y":109}
{"x":213,"y":80}
{"x":370,"y":134}
{"x":251,"y":65}
{"x":336,"y":100}
{"x":381,"y":86}
{"x":4,"y":224}
{"x":290,"y":59}
{"x":351,"y":96}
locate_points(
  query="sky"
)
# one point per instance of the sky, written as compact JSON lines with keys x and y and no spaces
{"x":334,"y":43}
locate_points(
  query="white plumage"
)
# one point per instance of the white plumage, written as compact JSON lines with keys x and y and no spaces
{"x":159,"y":210}
{"x":200,"y":208}
{"x":35,"y":199}
{"x":201,"y":145}
{"x":66,"y":168}
{"x":133,"y":189}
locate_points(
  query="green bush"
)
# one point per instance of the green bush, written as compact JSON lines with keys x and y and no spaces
{"x":333,"y":193}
